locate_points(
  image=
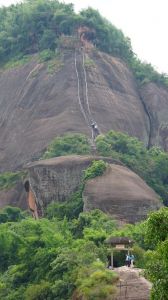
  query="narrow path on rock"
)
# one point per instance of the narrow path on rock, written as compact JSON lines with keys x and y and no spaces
{"x":132,"y":285}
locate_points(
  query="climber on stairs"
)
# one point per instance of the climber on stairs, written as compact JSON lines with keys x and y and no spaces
{"x":95,"y":130}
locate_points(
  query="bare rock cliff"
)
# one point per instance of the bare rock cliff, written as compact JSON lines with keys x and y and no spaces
{"x":119,"y":192}
{"x":36,"y":105}
{"x":155,"y":99}
{"x":56,"y":179}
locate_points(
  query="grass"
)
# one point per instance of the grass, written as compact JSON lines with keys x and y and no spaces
{"x":89,"y":63}
{"x":16,"y":62}
{"x":54,"y":66}
{"x":10,"y":179}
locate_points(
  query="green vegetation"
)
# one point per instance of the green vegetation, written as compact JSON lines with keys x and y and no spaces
{"x":69,"y":209}
{"x":145,"y":72}
{"x":157,"y":259}
{"x":97,"y":168}
{"x":151,"y":165}
{"x":17,"y":61}
{"x":40,"y":26}
{"x":57,"y":258}
{"x":11,"y":214}
{"x":96,"y":282}
{"x":46,"y":55}
{"x":68,"y":144}
{"x":61,"y":255}
{"x":89,"y":63}
{"x":9,"y":179}
{"x":46,"y":259}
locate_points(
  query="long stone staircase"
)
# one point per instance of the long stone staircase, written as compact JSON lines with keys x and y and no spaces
{"x":132,"y":285}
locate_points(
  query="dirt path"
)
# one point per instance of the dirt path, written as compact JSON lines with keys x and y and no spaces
{"x":132,"y":286}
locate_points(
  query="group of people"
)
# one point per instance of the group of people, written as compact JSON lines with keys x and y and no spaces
{"x":129,"y":260}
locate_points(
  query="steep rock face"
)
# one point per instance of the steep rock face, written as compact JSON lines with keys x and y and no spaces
{"x":36,"y":106}
{"x":58,"y":178}
{"x":115,"y":99}
{"x":15,"y":196}
{"x":119,"y":192}
{"x":155,"y":99}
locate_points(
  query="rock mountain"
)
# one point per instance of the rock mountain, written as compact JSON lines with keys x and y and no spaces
{"x":39,"y":102}
{"x":79,"y":88}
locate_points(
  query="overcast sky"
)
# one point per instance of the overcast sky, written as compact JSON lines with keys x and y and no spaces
{"x":145,"y":22}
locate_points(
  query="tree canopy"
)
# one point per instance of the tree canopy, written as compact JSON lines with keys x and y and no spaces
{"x":36,"y":25}
{"x":51,"y":259}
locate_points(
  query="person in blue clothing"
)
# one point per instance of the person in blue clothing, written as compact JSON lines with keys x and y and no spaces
{"x":132,"y":257}
{"x":128,"y":260}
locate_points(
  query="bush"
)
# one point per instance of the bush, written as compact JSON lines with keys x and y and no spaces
{"x":11,"y":214}
{"x":69,"y":209}
{"x":97,"y":168}
{"x":40,"y":291}
{"x":46,"y":55}
{"x":9,"y":179}
{"x":68,"y":144}
{"x":96,"y":283}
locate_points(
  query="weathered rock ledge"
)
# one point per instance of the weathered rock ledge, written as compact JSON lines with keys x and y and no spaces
{"x":118,"y":192}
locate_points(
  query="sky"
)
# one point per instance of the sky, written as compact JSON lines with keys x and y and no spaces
{"x":145,"y":22}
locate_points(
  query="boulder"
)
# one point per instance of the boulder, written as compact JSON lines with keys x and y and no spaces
{"x":120,"y":193}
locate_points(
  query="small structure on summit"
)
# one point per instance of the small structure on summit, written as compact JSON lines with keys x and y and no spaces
{"x":120,"y":244}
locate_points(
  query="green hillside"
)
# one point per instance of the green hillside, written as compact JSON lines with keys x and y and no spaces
{"x":37,"y":25}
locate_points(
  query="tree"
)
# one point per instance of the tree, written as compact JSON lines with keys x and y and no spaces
{"x":157,"y":260}
{"x":157,"y":227}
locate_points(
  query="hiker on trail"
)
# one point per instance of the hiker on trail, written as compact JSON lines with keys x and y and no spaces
{"x":94,"y":129}
{"x":132,"y":260}
{"x":128,"y":260}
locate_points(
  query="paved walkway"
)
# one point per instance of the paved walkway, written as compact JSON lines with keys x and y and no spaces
{"x":132,"y":285}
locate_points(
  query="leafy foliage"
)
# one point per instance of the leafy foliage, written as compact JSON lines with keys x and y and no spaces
{"x":151,"y":165}
{"x":60,"y":258}
{"x":96,"y":283}
{"x":44,"y":259}
{"x":68,"y":144}
{"x":69,"y":209}
{"x":97,"y":168}
{"x":157,"y":227}
{"x":145,"y":72}
{"x":157,"y":260}
{"x":10,"y":214}
{"x":39,"y":25}
{"x":9,"y":179}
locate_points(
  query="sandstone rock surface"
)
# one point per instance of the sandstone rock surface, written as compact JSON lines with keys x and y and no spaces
{"x":36,"y":105}
{"x":56,"y":179}
{"x":155,"y":99}
{"x":119,"y":192}
{"x":15,"y":196}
